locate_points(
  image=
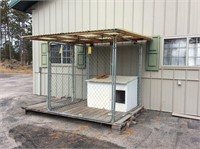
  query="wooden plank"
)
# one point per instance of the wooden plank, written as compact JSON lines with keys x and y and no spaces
{"x":78,"y":110}
{"x":71,"y":106}
{"x":75,"y":107}
{"x":186,"y":116}
{"x":92,"y":112}
{"x":118,"y":115}
{"x":36,"y":105}
{"x":103,"y":115}
{"x":86,"y":110}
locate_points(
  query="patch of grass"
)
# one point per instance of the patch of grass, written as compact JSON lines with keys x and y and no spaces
{"x":18,"y":70}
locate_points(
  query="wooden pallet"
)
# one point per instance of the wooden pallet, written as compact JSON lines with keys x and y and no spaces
{"x":82,"y":112}
{"x":119,"y":126}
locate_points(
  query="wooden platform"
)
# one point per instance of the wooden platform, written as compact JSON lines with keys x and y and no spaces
{"x":79,"y":110}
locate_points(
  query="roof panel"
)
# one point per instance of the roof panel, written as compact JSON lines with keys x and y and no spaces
{"x":89,"y":37}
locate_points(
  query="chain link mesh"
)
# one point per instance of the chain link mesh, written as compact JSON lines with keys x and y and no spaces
{"x":87,"y":92}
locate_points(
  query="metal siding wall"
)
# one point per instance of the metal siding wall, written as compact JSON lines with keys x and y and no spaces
{"x":59,"y":13}
{"x":93,"y":14}
{"x":72,"y":12}
{"x":79,"y":13}
{"x":65,"y":17}
{"x":179,"y":97}
{"x":159,"y":17}
{"x":52,"y":13}
{"x":167,"y":95}
{"x":194,"y":15}
{"x":86,"y":15}
{"x":110,"y":11}
{"x":46,"y":18}
{"x":101,"y":14}
{"x":128,"y":15}
{"x":148,"y":17}
{"x":155,"y":96}
{"x":170,"y":17}
{"x":36,"y":76}
{"x":138,"y":16}
{"x":182,"y":17}
{"x":119,"y":14}
{"x":146,"y":93}
{"x":191,"y":99}
{"x":152,"y":17}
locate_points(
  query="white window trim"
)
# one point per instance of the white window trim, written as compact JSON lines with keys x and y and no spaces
{"x":61,"y":64}
{"x":162,"y":66}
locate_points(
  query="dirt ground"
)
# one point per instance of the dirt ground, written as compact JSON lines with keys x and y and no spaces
{"x":153,"y":129}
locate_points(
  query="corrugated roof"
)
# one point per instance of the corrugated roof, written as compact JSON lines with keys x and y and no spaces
{"x":89,"y":37}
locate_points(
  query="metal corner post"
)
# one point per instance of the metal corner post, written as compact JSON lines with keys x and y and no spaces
{"x":140,"y":76}
{"x":114,"y":63}
{"x":49,"y":77}
{"x":73,"y":71}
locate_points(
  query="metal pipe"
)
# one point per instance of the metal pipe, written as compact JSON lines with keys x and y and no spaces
{"x":73,"y":73}
{"x":114,"y":60}
{"x":140,"y":76}
{"x":88,"y":65}
{"x":49,"y":77}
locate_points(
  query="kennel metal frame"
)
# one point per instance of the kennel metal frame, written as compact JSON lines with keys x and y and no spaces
{"x":112,"y":36}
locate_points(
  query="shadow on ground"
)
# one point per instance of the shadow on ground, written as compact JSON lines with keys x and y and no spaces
{"x":31,"y":136}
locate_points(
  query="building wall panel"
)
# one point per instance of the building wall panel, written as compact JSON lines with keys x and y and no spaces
{"x":182,"y":17}
{"x":65,"y":17}
{"x":155,"y":96}
{"x":101,"y":14}
{"x":167,"y":74}
{"x":59,"y":16}
{"x":170,"y":17}
{"x":148,"y":17}
{"x":146,"y":92}
{"x":93,"y":14}
{"x":128,"y":15}
{"x":119,"y":14}
{"x":191,"y":99}
{"x":179,"y":97}
{"x":194,"y":16}
{"x":52,"y":13}
{"x":110,"y":11}
{"x":72,"y":12}
{"x":167,"y":95}
{"x":159,"y":17}
{"x":138,"y":16}
{"x":79,"y":15}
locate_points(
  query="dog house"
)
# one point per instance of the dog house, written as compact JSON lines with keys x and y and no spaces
{"x":126,"y":93}
{"x":87,"y":78}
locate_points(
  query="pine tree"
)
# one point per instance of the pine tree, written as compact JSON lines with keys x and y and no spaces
{"x":15,"y":24}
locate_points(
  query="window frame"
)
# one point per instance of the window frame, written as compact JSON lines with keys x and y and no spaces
{"x":61,"y":58}
{"x":187,"y":53}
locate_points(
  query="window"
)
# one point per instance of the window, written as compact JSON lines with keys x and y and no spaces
{"x":194,"y":52}
{"x":175,"y":51}
{"x":182,"y":51}
{"x":61,"y":54}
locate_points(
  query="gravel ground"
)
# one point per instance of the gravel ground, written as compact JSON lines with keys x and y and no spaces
{"x":153,"y":129}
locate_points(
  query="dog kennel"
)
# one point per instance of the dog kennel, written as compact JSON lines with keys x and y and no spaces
{"x":92,"y":75}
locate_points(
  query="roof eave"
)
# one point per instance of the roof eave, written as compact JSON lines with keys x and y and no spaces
{"x":22,"y":5}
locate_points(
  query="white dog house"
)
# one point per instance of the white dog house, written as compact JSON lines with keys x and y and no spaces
{"x":99,"y":93}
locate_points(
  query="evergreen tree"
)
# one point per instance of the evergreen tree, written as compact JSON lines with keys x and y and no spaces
{"x":15,"y":24}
